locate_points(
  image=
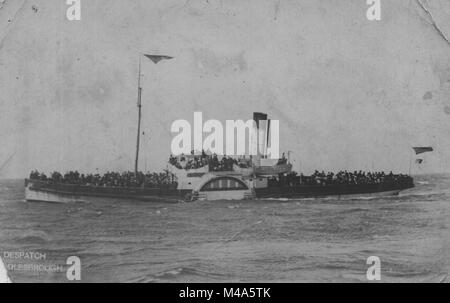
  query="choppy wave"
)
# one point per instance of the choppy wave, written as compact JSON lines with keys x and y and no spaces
{"x":33,"y":237}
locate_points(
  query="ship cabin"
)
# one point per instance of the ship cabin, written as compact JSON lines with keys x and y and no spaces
{"x":226,"y":179}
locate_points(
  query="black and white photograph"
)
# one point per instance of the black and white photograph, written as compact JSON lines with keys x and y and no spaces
{"x":224,"y":141}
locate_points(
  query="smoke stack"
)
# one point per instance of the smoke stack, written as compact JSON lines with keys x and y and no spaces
{"x":257,"y":117}
{"x":261,"y":121}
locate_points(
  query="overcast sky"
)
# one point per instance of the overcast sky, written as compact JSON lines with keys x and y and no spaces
{"x":349,"y":93}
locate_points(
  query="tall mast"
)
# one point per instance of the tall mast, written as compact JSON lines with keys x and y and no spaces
{"x":155,"y":59}
{"x":139,"y":105}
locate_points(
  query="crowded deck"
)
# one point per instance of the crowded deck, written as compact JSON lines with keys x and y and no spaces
{"x":356,"y":178}
{"x":110,"y":179}
{"x":154,"y":180}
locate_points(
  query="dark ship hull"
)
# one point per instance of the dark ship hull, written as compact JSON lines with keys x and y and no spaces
{"x":40,"y":191}
{"x":335,"y":190}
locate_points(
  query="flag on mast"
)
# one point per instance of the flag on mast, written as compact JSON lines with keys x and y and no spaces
{"x":421,"y":150}
{"x":157,"y":58}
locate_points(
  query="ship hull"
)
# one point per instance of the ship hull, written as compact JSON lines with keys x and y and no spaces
{"x":37,"y":191}
{"x":317,"y":191}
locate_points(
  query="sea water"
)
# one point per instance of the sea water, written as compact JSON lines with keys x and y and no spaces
{"x":311,"y":240}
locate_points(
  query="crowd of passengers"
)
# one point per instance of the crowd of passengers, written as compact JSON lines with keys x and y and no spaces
{"x":109,"y":179}
{"x":342,"y":178}
{"x":215,"y":163}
